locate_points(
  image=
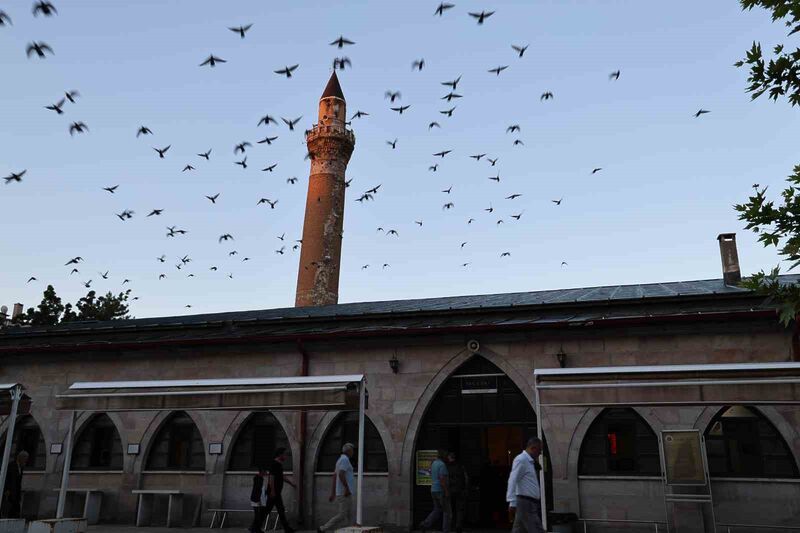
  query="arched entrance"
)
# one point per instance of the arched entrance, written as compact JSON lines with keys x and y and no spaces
{"x":479,"y":414}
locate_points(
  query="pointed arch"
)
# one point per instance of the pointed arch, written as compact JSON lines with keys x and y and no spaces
{"x":619,"y":442}
{"x":742,"y":442}
{"x":27,"y":437}
{"x":256,"y":441}
{"x":177,"y":445}
{"x":344,"y":429}
{"x":98,"y":445}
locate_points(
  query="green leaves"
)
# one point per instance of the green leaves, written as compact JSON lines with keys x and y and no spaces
{"x":51,"y":311}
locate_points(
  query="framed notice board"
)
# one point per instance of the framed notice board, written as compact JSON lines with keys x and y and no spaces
{"x":423,"y":466}
{"x":684,"y":460}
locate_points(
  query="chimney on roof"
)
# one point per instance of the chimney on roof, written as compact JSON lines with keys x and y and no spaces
{"x":17,"y":311}
{"x":731,"y":274}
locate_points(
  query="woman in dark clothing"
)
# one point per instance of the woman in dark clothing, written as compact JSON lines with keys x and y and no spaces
{"x":258,"y":499}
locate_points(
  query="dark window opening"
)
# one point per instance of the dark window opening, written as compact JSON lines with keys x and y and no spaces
{"x":741,"y":442}
{"x":177,"y":446}
{"x":98,"y":447}
{"x":256,"y":443}
{"x":619,"y":443}
{"x":27,"y":437}
{"x":345,"y":429}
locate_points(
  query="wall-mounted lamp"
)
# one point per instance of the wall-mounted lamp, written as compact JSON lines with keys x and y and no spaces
{"x":394,"y":364}
{"x":562,"y":357}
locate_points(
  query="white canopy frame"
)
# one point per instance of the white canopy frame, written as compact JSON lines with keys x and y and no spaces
{"x":344,"y":392}
{"x":663,"y":385}
{"x":13,"y":402}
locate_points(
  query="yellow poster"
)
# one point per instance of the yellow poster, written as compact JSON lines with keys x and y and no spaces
{"x":424,"y":460}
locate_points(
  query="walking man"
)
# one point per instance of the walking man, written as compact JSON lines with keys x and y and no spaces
{"x":457,"y":483}
{"x":258,"y":500}
{"x":440,"y":493}
{"x":275,"y":487}
{"x":342,"y":489}
{"x":12,"y":488}
{"x":523,"y":494}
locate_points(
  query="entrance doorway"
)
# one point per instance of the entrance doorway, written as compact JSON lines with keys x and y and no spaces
{"x":479,"y":414}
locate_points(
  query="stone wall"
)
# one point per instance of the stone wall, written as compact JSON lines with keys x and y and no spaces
{"x":396,"y":407}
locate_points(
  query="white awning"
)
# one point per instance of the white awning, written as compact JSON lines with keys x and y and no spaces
{"x":290,"y":393}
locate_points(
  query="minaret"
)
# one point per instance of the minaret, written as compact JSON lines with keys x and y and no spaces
{"x":330,"y":145}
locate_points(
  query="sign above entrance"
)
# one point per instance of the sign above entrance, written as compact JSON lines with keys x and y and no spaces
{"x":479,"y":384}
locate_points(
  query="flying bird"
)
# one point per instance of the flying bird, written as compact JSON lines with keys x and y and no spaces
{"x":482,"y":16}
{"x":212,"y":61}
{"x":291,"y":123}
{"x":242,"y":163}
{"x":433,"y":168}
{"x":241,"y":30}
{"x":187,"y":167}
{"x":392,"y":95}
{"x":291,"y":180}
{"x":518,"y":216}
{"x":557,"y":202}
{"x":125,"y":215}
{"x":341,"y":41}
{"x":513,"y":128}
{"x":206,"y":155}
{"x":155,"y":212}
{"x":418,"y":64}
{"x":104,"y":275}
{"x":339,"y":63}
{"x":74,"y":261}
{"x":74,"y":271}
{"x":442,"y":8}
{"x":287,"y":71}
{"x":448,"y":112}
{"x":39,"y":48}
{"x":162,"y":151}
{"x":393,"y":144}
{"x":614,"y":75}
{"x":267,"y":201}
{"x":78,"y":127}
{"x":701,"y":112}
{"x":266,"y":119}
{"x":400,"y":109}
{"x":111,"y":189}
{"x":448,"y":190}
{"x":520,"y":49}
{"x":505,"y":254}
{"x":87,"y":284}
{"x":225,"y":237}
{"x":477,"y":157}
{"x":563,"y":264}
{"x":434,"y":124}
{"x":448,"y":205}
{"x":493,"y":161}
{"x":15,"y":177}
{"x":56,"y":107}
{"x":449,"y":96}
{"x":498,"y":70}
{"x":513,"y":196}
{"x":452,"y":84}
{"x":241,"y":147}
{"x":71,"y":95}
{"x":442,"y":153}
{"x":213,"y":198}
{"x":143,"y":130}
{"x":518,"y":142}
{"x":45,"y":8}
{"x":596,"y":170}
{"x":418,"y":222}
{"x":495,"y":178}
{"x":4,"y":18}
{"x":267,"y":140}
{"x":31,"y":279}
{"x":269,"y":168}
{"x":546,"y":96}
{"x":359,"y":114}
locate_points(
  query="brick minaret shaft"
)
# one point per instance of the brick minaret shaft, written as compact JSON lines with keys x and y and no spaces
{"x":330,"y":145}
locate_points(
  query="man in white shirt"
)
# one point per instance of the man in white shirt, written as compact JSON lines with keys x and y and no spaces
{"x":523,"y":494}
{"x":342,"y":490}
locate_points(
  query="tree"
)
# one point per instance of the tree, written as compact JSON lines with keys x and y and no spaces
{"x":776,"y":224}
{"x":51,"y":311}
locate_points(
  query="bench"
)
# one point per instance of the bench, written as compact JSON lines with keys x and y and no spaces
{"x":92,"y":502}
{"x":144,"y":508}
{"x":224,"y":514}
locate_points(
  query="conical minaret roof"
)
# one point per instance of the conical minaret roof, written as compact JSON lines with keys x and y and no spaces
{"x":333,"y":88}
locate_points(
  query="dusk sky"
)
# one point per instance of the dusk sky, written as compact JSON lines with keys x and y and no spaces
{"x":666,"y":189}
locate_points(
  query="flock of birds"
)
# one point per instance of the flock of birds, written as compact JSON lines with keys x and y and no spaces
{"x":39,"y":50}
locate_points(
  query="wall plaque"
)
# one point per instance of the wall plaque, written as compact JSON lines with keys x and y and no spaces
{"x":683,"y":458}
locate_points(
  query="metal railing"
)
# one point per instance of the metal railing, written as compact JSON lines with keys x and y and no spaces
{"x":654,"y":523}
{"x":749,"y":527}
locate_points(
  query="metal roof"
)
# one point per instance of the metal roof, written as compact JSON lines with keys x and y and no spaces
{"x":652,"y":369}
{"x":576,"y":306}
{"x":223,"y":382}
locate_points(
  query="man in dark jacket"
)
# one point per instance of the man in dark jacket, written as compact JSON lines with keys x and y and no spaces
{"x":258,"y":500}
{"x":276,"y":481}
{"x":458,"y":481}
{"x":12,"y":489}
